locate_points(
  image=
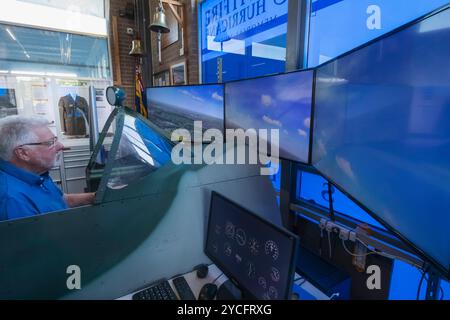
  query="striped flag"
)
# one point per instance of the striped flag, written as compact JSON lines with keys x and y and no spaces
{"x":141,"y":97}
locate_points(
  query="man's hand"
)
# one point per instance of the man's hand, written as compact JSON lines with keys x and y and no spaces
{"x":79,"y":199}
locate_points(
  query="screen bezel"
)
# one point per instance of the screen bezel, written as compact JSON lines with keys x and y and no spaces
{"x":292,"y":237}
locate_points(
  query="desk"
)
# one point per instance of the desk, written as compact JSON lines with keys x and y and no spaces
{"x":304,"y":289}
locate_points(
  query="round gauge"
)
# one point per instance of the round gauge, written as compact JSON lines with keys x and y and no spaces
{"x":273,"y":293}
{"x":241,"y":238}
{"x":271,"y":249}
{"x":227,"y":249}
{"x":229,"y":230}
{"x":251,"y":271}
{"x":111,"y":96}
{"x":275,"y":274}
{"x":262,"y":282}
{"x":254,"y":246}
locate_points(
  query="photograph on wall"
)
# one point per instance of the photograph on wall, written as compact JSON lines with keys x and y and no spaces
{"x":74,"y":111}
{"x":8,"y":105}
{"x":171,"y":37}
{"x":40,"y":101}
{"x":178,"y":74}
{"x":161,"y":78}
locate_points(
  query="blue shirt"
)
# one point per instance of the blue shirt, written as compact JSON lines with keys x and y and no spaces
{"x":24,"y":194}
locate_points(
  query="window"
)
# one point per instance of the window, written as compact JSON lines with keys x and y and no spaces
{"x":47,"y":53}
{"x":313,"y":189}
{"x":89,"y":7}
{"x":141,"y":151}
{"x":338,"y":26}
{"x":242,"y":39}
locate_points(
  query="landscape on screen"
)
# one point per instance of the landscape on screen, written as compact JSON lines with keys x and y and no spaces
{"x":280,"y":102}
{"x":173,"y":108}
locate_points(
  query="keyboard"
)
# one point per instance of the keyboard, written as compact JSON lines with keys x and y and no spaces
{"x":163,"y":291}
{"x":158,"y":291}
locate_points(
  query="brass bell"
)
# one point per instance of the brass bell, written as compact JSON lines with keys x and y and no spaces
{"x":159,"y":23}
{"x":136,"y":49}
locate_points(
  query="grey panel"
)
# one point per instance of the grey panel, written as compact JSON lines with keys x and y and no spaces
{"x":119,"y":245}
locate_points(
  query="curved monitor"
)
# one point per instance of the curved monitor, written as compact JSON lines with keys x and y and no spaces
{"x":382,"y":132}
{"x":281,"y":102}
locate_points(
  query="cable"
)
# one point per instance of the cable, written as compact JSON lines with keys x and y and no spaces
{"x":217,"y":277}
{"x":387,"y":255}
{"x":424,"y":276}
{"x":301,"y":283}
{"x":336,"y":294}
{"x":299,"y":277}
{"x":420,"y":285}
{"x":329,"y":244}
{"x":357,"y":255}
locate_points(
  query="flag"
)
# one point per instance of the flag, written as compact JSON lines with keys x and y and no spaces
{"x":141,"y":97}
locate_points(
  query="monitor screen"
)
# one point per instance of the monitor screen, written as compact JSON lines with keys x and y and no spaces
{"x":8,"y":104}
{"x":382,"y":133}
{"x":281,"y":102}
{"x":173,"y":108}
{"x":256,"y":255}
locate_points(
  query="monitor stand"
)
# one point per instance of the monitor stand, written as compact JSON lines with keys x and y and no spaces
{"x":229,"y":291}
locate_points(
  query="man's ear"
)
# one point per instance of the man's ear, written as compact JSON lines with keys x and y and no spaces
{"x":22,"y":154}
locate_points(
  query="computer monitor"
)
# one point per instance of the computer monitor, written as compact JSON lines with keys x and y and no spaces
{"x":281,"y":102}
{"x":8,"y":104}
{"x":382,"y":134}
{"x":178,"y":107}
{"x":257,"y":256}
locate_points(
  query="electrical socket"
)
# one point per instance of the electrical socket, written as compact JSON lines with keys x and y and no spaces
{"x":333,"y":227}
{"x":352,"y":236}
{"x":322,"y":224}
{"x":344,"y":234}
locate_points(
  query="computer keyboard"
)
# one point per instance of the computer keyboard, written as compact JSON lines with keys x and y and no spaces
{"x":183,"y":289}
{"x":159,"y":291}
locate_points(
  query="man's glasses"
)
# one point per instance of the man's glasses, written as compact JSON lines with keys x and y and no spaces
{"x":50,"y":143}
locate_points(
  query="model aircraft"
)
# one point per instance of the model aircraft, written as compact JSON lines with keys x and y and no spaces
{"x":147,"y":222}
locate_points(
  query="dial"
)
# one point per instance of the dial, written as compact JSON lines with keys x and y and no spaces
{"x":218,"y":229}
{"x":271,"y":249}
{"x":251,"y":271}
{"x":275,"y":274}
{"x":229,"y":230}
{"x":241,"y":238}
{"x":227,"y":249}
{"x":215,"y":247}
{"x":262,"y":282}
{"x":254,"y":246}
{"x":273,"y":293}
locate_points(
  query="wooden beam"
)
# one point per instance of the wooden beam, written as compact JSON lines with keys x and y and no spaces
{"x":116,"y":52}
{"x":177,"y":3}
{"x":175,"y":13}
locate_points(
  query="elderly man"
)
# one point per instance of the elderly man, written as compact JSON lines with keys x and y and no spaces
{"x":28,"y":150}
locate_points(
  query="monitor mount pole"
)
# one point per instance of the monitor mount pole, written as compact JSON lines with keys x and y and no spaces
{"x":433,"y":285}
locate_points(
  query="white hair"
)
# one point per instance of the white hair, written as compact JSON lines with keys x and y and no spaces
{"x":18,"y":130}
